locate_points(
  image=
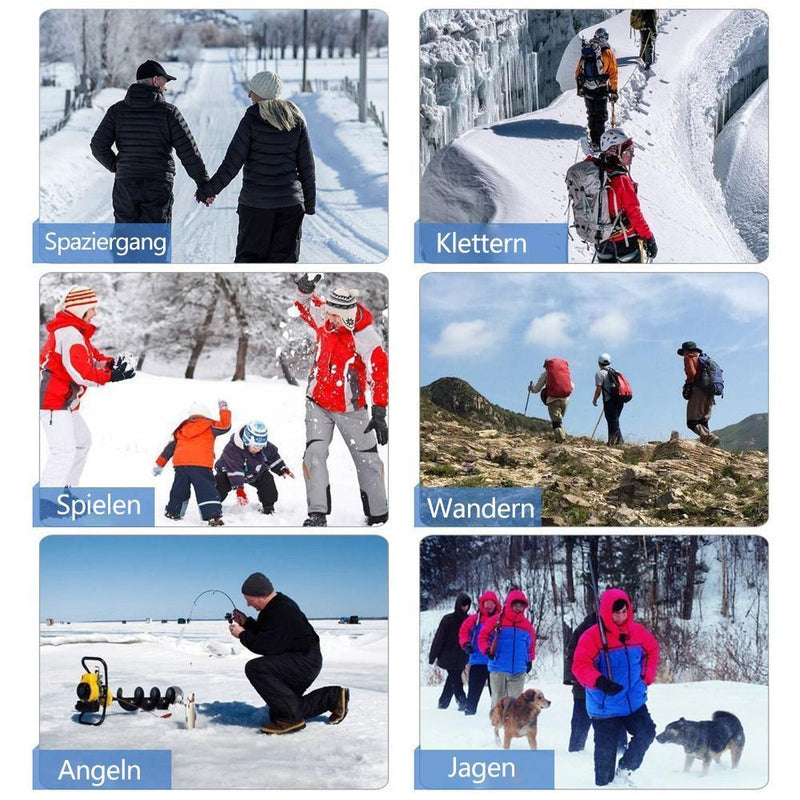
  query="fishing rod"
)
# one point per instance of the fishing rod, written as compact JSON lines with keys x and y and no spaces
{"x":603,"y":637}
{"x":228,"y":616}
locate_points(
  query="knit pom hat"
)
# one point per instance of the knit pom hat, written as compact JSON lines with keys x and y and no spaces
{"x":257,"y":585}
{"x":267,"y":85}
{"x":198,"y":409}
{"x":78,"y":300}
{"x":343,"y":303}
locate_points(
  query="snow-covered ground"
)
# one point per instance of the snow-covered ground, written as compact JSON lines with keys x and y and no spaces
{"x":513,"y":171}
{"x":132,"y":421}
{"x":351,"y":223}
{"x":225,"y":750}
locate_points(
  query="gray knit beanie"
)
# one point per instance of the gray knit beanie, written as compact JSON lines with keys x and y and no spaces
{"x":257,"y":585}
{"x":267,"y":85}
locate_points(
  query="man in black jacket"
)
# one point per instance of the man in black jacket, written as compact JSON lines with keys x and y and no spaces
{"x":146,"y":129}
{"x":290,"y":659}
{"x":448,"y":655}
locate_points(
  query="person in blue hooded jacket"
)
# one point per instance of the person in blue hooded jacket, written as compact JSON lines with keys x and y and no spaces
{"x":616,"y":676}
{"x":488,"y":604}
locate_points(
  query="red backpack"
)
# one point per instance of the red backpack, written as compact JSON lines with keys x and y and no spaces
{"x":559,"y":383}
{"x":619,"y":385}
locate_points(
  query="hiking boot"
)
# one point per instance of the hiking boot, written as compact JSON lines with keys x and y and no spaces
{"x":215,"y":522}
{"x":267,"y":510}
{"x":380,"y":519}
{"x":623,"y":777}
{"x":339,"y":710}
{"x":280,"y":726}
{"x":170,"y":515}
{"x":713,"y":440}
{"x":316,"y":519}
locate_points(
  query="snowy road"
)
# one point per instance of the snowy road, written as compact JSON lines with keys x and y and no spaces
{"x":351,"y":223}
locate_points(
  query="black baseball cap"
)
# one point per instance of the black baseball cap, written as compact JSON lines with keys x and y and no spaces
{"x":152,"y":69}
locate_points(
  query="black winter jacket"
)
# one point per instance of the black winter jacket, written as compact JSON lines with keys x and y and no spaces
{"x":145,"y":129}
{"x":578,"y":692}
{"x":280,"y":628}
{"x":278,"y":165}
{"x":445,"y":648}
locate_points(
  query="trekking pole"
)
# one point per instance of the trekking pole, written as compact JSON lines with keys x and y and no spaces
{"x":598,"y":422}
{"x":603,"y":637}
{"x":613,"y":114}
{"x":525,"y":412}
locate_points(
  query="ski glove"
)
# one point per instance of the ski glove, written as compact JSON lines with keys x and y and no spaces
{"x":686,"y":392}
{"x":241,"y":497}
{"x":468,"y":648}
{"x":528,"y":665}
{"x":307,"y":285}
{"x":157,"y":470}
{"x":121,"y":370}
{"x":613,"y":96}
{"x":607,"y":687}
{"x":650,"y":247}
{"x":378,"y":424}
{"x":222,"y":404}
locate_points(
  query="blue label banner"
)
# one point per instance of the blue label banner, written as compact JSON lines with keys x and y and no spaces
{"x":86,"y":507}
{"x":101,"y":243}
{"x":484,"y":769}
{"x":470,"y":507}
{"x":102,"y":769}
{"x":490,"y":243}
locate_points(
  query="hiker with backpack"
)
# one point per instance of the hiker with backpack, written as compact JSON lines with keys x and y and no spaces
{"x":596,"y":81}
{"x":616,"y":392}
{"x":646,"y":23}
{"x":703,"y":383}
{"x":605,"y":204}
{"x":555,"y":386}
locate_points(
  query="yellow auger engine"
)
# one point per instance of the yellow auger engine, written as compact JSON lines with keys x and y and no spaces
{"x":93,"y":694}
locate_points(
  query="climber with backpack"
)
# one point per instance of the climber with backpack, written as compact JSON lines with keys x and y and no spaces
{"x":646,"y":22}
{"x":596,"y":81}
{"x":703,"y":383}
{"x":616,"y":392}
{"x":605,"y":204}
{"x":555,"y":386}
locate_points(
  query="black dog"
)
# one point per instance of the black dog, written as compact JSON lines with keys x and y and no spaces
{"x":706,"y":740}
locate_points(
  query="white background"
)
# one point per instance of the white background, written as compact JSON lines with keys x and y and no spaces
{"x":19,"y":302}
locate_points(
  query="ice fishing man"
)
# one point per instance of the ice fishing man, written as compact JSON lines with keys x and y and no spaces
{"x":146,"y":129}
{"x":596,"y":81}
{"x":289,"y":659}
{"x":348,"y":358}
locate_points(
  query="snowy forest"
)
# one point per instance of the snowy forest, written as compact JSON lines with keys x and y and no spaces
{"x":704,"y":597}
{"x":209,"y":324}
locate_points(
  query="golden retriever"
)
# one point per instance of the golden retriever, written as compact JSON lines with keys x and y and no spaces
{"x":518,"y":717}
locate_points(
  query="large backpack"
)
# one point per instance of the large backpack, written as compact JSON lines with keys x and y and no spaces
{"x":587,"y":186}
{"x":559,"y":383}
{"x":710,"y":376}
{"x":619,"y":385}
{"x":591,"y":75}
{"x":637,"y":20}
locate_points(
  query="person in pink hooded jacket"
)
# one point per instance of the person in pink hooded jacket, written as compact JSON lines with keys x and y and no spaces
{"x":488,"y":604}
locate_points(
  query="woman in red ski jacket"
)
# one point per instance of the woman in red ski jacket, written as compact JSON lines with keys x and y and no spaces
{"x":468,"y":639}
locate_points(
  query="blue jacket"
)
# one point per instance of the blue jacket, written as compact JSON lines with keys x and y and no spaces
{"x":508,"y":638}
{"x":472,"y":625}
{"x":241,"y":466}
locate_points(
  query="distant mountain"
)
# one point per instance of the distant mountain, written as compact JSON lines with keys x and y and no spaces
{"x":752,"y":433}
{"x":458,"y":398}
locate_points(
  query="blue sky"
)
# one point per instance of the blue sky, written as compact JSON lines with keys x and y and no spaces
{"x":85,"y":578}
{"x":494,"y":330}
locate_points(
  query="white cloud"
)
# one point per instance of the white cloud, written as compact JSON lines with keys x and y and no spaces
{"x":475,"y":337}
{"x":611,"y":328}
{"x":551,"y":329}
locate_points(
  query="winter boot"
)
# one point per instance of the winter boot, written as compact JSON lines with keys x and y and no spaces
{"x":624,"y":778}
{"x":378,"y":520}
{"x":316,"y":519}
{"x":282,"y":726}
{"x":267,"y":510}
{"x":170,"y":515}
{"x":215,"y":522}
{"x":339,"y":710}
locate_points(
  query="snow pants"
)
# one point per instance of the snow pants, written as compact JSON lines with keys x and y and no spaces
{"x":142,"y":200}
{"x":269,"y":235}
{"x":647,"y":46}
{"x":642,"y":729}
{"x":453,"y":687}
{"x":596,"y":113}
{"x":478,"y":678}
{"x":698,"y":412}
{"x":618,"y":252}
{"x":557,"y":408}
{"x":68,"y":440}
{"x":580,"y":724}
{"x":282,"y":679}
{"x":205,"y":492}
{"x":612,"y":408}
{"x":363,"y":447}
{"x":503,"y":683}
{"x":265,"y":487}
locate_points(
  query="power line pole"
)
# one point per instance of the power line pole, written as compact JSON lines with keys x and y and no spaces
{"x":362,"y":67}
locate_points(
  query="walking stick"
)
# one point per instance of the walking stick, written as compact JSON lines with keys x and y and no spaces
{"x":525,"y":412}
{"x":598,"y":422}
{"x":603,"y":637}
{"x":613,"y":114}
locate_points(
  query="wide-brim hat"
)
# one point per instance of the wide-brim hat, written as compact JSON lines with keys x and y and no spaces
{"x":689,"y":347}
{"x":152,"y":69}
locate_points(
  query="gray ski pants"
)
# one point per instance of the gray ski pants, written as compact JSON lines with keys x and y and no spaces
{"x":363,"y":447}
{"x":504,"y":684}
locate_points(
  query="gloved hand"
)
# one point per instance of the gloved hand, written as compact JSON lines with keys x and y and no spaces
{"x":157,"y":470}
{"x":121,"y":371}
{"x":310,"y":211}
{"x":613,"y":96}
{"x":650,"y":247}
{"x":305,"y":284}
{"x":241,"y":496}
{"x":239,"y":617}
{"x":579,"y":89}
{"x":126,"y":359}
{"x":286,"y":472}
{"x":528,"y":665}
{"x":379,"y":424}
{"x":222,"y":404}
{"x":686,"y":392}
{"x":468,"y":648}
{"x":606,"y":686}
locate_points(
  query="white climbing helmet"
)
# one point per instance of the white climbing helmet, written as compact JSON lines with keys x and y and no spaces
{"x":604,"y":359}
{"x":614,"y":141}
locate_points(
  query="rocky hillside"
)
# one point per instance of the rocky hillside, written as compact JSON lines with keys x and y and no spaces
{"x":467,"y":441}
{"x":752,"y":433}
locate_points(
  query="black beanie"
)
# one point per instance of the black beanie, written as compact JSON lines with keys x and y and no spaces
{"x":257,"y":585}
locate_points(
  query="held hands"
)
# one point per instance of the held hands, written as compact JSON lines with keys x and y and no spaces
{"x":607,"y":687}
{"x":203,"y":198}
{"x":241,"y":496}
{"x":379,"y":424}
